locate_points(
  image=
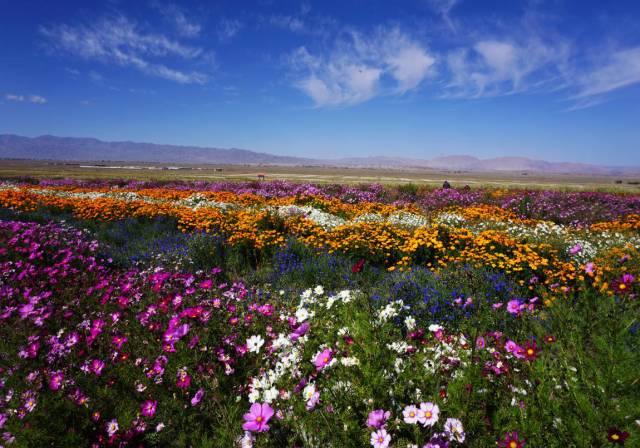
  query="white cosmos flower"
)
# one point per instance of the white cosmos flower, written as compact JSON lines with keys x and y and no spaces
{"x":254,"y":343}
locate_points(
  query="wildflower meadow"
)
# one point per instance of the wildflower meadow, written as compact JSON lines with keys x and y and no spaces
{"x":278,"y":314}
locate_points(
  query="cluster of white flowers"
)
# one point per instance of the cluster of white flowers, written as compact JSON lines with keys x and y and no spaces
{"x":450,"y":219}
{"x":390,"y":311}
{"x":323,"y":219}
{"x":406,"y":219}
{"x":198,"y":200}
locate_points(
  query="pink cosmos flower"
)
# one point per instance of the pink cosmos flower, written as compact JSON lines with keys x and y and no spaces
{"x":588,"y":268}
{"x":513,"y":306}
{"x":575,"y":249}
{"x":513,"y":348}
{"x":428,"y":414}
{"x":380,"y":439}
{"x":257,"y":418}
{"x":323,"y":359}
{"x":112,"y":427}
{"x":184,"y":380}
{"x":378,"y":418}
{"x":410,"y":414}
{"x":148,"y":408}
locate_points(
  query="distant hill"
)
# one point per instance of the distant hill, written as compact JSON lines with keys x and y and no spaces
{"x":48,"y":147}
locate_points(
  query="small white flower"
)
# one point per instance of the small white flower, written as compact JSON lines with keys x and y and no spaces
{"x":410,"y":322}
{"x":254,"y":343}
{"x":270,"y":394}
{"x":302,"y":314}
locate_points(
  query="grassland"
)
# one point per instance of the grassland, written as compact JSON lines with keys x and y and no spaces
{"x":146,"y":171}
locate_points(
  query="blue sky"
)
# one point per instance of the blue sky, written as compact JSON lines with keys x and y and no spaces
{"x":556,"y":80}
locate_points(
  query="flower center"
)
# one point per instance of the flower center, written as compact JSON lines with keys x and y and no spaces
{"x":326,"y":359}
{"x":622,"y":286}
{"x":513,"y":445}
{"x":615,"y":436}
{"x":412,"y":414}
{"x":428,"y":414}
{"x":259,"y":419}
{"x":530,"y":351}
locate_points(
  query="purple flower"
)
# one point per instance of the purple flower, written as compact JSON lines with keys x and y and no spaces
{"x":454,"y":430}
{"x":197,"y":397}
{"x":378,"y":418}
{"x":55,"y":380}
{"x":257,"y":418}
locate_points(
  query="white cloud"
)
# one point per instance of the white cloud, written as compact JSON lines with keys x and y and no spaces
{"x":360,"y":67}
{"x":13,"y":97}
{"x":621,"y":69}
{"x":120,"y":41}
{"x":228,"y":28}
{"x":290,"y":23}
{"x":35,"y":99}
{"x":505,"y":66}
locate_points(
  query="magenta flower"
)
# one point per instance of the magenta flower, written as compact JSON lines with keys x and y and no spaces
{"x":323,"y":358}
{"x":96,"y":366}
{"x":257,"y":418}
{"x":118,"y":341}
{"x":184,"y":380}
{"x":378,"y":418}
{"x":148,"y":408}
{"x":55,"y":380}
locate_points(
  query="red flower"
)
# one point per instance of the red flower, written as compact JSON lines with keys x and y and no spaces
{"x":530,"y":351}
{"x":614,"y":435}
{"x":512,"y":440}
{"x":357,"y":267}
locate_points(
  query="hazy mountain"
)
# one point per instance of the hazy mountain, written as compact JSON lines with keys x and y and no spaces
{"x":49,"y":147}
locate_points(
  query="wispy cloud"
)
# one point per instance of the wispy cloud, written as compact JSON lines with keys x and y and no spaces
{"x":360,"y":67}
{"x":186,"y":26}
{"x":288,"y":22}
{"x":493,"y":67}
{"x":35,"y":99}
{"x":443,"y":9}
{"x":228,"y":28}
{"x":118,"y":40}
{"x":620,"y":69}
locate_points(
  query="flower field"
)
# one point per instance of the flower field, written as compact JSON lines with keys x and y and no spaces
{"x":276,"y":314}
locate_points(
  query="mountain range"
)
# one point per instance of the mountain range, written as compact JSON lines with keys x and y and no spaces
{"x":73,"y":149}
